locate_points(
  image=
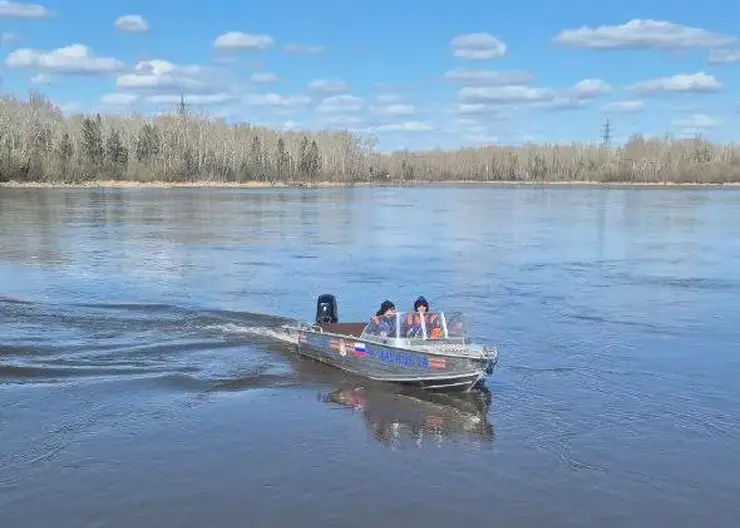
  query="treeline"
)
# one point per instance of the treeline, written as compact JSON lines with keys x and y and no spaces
{"x":38,"y":144}
{"x":640,"y":160}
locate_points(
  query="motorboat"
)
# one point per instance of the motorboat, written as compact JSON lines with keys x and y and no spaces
{"x":428,"y":350}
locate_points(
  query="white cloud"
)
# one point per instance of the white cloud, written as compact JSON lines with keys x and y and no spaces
{"x":328,"y":86}
{"x":341,"y":103}
{"x":127,"y":99}
{"x":263,"y":78}
{"x":226,"y":59}
{"x":303,"y":50}
{"x":236,"y":40}
{"x":477,"y":46}
{"x":489,"y":77}
{"x":43,"y":79}
{"x":561,"y":102}
{"x":390,"y":85}
{"x":159,"y":74}
{"x":398,"y":109}
{"x":119,"y":99}
{"x":492,"y":100}
{"x":696,"y":121}
{"x":388,"y":98}
{"x":724,"y":56}
{"x":342,"y":121}
{"x":77,"y":59}
{"x":641,"y":34}
{"x":278,"y":101}
{"x":468,"y":109}
{"x":192,"y":99}
{"x":466,"y":122}
{"x":481,"y":137}
{"x":476,"y":129}
{"x":19,"y":10}
{"x":406,"y":126}
{"x":8,"y":38}
{"x":505,"y":94}
{"x":626,"y":107}
{"x":131,"y":24}
{"x":589,"y":88}
{"x":682,"y":83}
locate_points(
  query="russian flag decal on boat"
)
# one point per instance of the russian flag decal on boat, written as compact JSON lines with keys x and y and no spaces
{"x":360,"y":350}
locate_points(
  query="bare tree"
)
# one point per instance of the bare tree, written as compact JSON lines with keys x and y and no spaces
{"x":37,"y":143}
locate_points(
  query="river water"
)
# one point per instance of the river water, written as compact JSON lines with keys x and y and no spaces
{"x":140,"y":380}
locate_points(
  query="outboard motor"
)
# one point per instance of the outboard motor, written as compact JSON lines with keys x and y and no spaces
{"x":326,"y":309}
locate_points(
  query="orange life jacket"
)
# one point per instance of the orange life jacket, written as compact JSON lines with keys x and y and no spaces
{"x":434,"y":333}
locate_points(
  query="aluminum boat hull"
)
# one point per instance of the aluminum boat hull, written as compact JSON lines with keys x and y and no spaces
{"x":461,"y":369}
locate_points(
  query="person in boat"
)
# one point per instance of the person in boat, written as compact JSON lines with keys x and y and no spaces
{"x":431,"y":320}
{"x":384,"y":321}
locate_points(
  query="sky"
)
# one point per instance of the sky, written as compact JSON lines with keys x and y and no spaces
{"x":408,"y":74}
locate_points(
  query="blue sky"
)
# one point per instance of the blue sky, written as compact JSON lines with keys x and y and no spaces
{"x":410,"y":74}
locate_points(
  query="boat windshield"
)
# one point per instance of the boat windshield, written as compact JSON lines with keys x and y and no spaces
{"x":455,"y":323}
{"x":412,"y":325}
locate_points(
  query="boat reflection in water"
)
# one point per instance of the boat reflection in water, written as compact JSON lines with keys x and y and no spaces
{"x":414,"y":418}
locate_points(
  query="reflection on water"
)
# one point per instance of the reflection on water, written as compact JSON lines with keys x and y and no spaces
{"x":415,"y":418}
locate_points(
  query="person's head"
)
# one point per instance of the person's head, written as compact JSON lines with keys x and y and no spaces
{"x":421,"y":304}
{"x":386,"y":308}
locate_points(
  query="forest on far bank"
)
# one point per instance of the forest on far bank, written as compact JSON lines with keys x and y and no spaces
{"x":39,"y":144}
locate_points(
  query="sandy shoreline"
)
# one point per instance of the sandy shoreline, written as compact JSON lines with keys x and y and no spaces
{"x":267,"y":185}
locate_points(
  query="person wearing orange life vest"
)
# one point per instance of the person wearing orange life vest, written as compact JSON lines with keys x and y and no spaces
{"x":384,"y":321}
{"x":431,"y":321}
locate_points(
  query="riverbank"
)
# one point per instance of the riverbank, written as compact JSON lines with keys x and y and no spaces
{"x":127,"y":184}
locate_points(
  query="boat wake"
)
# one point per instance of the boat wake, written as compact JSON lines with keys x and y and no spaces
{"x":258,"y":331}
{"x":46,"y":343}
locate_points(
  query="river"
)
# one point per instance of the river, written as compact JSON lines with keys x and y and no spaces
{"x":141,"y":381}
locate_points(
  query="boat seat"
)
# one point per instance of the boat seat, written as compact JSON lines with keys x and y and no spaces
{"x":351,"y":329}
